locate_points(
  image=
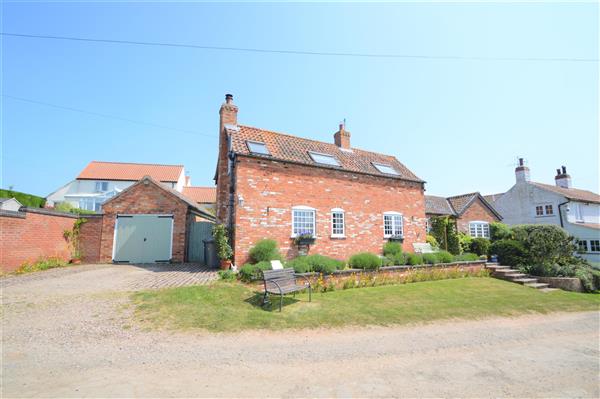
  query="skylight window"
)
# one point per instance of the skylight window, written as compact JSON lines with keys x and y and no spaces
{"x":324,"y":159}
{"x":257,"y":147}
{"x":387,"y":169}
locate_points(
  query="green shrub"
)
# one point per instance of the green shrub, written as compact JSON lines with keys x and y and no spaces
{"x":40,"y":264}
{"x":392,"y":248}
{"x":299,"y":264}
{"x":464,"y":242}
{"x":510,"y":252}
{"x":545,"y":244}
{"x":415,"y":259}
{"x":444,"y":256}
{"x":480,"y":246}
{"x":221,"y":237}
{"x":443,"y":228}
{"x":466,"y":257}
{"x":430,"y":258}
{"x":30,"y":200}
{"x":250,"y":272}
{"x":324,"y":264}
{"x":398,"y":259}
{"x":365,"y":260}
{"x":429,"y":239}
{"x":227,"y":275}
{"x":500,"y":231}
{"x":264,"y":250}
{"x":68,"y":208}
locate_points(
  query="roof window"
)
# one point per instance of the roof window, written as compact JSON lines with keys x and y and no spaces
{"x":324,"y":159}
{"x":256,"y":147}
{"x":387,"y":169}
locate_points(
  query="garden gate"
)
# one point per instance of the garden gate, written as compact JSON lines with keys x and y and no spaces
{"x":198,"y":233}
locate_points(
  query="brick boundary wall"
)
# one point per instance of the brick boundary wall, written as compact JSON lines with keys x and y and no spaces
{"x":31,"y":234}
{"x":90,"y":236}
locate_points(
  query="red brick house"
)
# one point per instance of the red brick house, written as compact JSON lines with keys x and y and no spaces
{"x":472,"y":212}
{"x":275,"y":185}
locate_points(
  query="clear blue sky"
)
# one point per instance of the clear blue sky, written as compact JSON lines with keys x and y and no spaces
{"x":457,"y":124}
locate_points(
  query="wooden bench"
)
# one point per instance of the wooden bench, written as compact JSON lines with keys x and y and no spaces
{"x":283,"y":282}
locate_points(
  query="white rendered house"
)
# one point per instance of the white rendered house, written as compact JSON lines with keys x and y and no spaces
{"x":577,"y":211}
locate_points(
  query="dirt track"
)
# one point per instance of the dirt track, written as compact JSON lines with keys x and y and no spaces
{"x":71,"y":343}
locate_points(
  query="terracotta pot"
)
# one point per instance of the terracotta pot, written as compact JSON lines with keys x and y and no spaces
{"x":225,"y":264}
{"x":75,"y":261}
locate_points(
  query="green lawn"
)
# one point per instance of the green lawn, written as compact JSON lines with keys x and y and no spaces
{"x":235,"y":307}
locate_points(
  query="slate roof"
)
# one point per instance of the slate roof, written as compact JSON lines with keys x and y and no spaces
{"x":438,"y":206}
{"x":203,"y":195}
{"x":97,"y":170}
{"x":491,"y":198}
{"x":285,"y":147}
{"x":571,"y":193}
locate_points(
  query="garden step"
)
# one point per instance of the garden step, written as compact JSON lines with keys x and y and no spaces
{"x":539,"y":286}
{"x":513,"y":276}
{"x":505,"y":271}
{"x":525,"y":280}
{"x":497,"y":267}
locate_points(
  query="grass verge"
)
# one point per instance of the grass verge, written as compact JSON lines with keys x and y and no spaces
{"x":236,"y":307}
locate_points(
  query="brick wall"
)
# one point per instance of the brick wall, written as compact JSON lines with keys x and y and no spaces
{"x":33,"y":234}
{"x":270,"y":189}
{"x":90,"y":234}
{"x":145,"y":199}
{"x":476,"y":212}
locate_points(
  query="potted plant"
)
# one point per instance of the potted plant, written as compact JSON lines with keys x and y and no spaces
{"x":224,"y":251}
{"x":304,"y":238}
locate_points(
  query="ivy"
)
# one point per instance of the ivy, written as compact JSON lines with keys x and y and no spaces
{"x":443,"y":229}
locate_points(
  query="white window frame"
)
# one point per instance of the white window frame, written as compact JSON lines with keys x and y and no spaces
{"x":380,"y":166}
{"x":99,"y":185}
{"x":312,"y":155}
{"x":585,"y":248}
{"x":338,"y":211}
{"x":544,"y":213}
{"x":485,"y":229}
{"x":249,"y":142}
{"x":591,"y":249}
{"x":395,"y":215}
{"x":578,"y":212}
{"x":305,"y":209}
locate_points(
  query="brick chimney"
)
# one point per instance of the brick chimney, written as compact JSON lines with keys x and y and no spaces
{"x":227,"y":117}
{"x":562,"y":178}
{"x":522,"y":172}
{"x":342,"y":137}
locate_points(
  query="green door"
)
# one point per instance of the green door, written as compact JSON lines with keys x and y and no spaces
{"x":143,"y":238}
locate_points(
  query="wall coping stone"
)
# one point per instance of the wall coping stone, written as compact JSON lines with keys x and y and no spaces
{"x":12,"y":214}
{"x":50,"y":212}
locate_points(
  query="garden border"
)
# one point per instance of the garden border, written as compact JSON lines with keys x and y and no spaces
{"x":398,"y":268}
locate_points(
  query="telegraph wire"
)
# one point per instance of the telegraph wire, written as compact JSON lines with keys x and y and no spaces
{"x":301,"y":52}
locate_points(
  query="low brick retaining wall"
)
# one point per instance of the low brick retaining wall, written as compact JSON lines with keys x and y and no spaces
{"x":564,"y":283}
{"x":472,"y":265}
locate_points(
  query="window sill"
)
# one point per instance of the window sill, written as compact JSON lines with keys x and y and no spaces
{"x":337,"y":237}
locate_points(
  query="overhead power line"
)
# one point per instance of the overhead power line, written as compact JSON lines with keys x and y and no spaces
{"x":138,"y":122}
{"x":300,"y":52}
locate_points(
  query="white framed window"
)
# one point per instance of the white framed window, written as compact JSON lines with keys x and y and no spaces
{"x":594,"y":245}
{"x":582,"y":246}
{"x":338,"y":223}
{"x":578,"y":213}
{"x":90,"y":204}
{"x":324,"y":159}
{"x":256,"y":147}
{"x":392,"y":224}
{"x":479,"y":229}
{"x":387,"y":169}
{"x":544,"y":210}
{"x":303,"y":220}
{"x":101,"y":186}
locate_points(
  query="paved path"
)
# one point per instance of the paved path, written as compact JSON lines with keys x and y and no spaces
{"x":73,"y":337}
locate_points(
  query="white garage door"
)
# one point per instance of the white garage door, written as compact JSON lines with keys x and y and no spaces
{"x":143,"y":238}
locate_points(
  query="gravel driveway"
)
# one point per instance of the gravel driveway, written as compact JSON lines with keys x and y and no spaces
{"x":70,"y":335}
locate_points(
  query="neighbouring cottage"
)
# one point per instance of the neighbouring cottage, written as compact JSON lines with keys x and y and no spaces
{"x":577,"y":211}
{"x":471,"y":212}
{"x":275,"y":185}
{"x":99,"y":181}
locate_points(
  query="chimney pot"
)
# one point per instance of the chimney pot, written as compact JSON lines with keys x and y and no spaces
{"x":557,"y":172}
{"x":564,"y":170}
{"x":520,"y":161}
{"x":228,"y":98}
{"x":522,"y":171}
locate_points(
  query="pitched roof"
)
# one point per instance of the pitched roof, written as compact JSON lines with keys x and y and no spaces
{"x":570,"y":193}
{"x":285,"y":147}
{"x":438,"y":206}
{"x":98,"y":170}
{"x":491,"y":198}
{"x":460,"y":203}
{"x":193,"y":205}
{"x":201,"y":194}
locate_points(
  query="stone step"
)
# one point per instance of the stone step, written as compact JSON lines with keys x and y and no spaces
{"x":539,"y":286}
{"x":525,"y":280}
{"x":513,"y":276}
{"x":496,"y":267}
{"x":505,"y":271}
